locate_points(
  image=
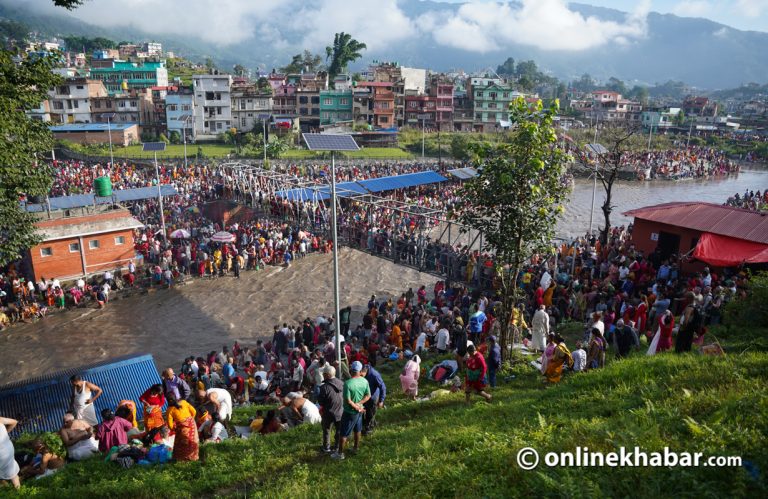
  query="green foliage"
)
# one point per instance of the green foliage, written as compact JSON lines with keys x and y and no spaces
{"x":344,"y":50}
{"x":517,"y":197}
{"x":507,"y":68}
{"x":444,"y":448}
{"x":88,"y":45}
{"x":163,"y":138}
{"x":68,"y":4}
{"x":175,"y":137}
{"x":751,"y":311}
{"x":306,"y":62}
{"x":460,"y":146}
{"x":22,"y":88}
{"x":12,"y":30}
{"x":584,"y":84}
{"x":239,"y":70}
{"x":616,"y":85}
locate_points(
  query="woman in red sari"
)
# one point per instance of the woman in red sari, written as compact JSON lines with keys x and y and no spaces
{"x":641,"y":314}
{"x":181,"y":419}
{"x":476,"y":372}
{"x":666,"y":324}
{"x":152,"y":401}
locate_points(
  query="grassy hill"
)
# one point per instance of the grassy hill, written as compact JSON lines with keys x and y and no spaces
{"x":444,"y":448}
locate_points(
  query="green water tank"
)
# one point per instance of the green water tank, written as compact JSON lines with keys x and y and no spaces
{"x":103,"y":187}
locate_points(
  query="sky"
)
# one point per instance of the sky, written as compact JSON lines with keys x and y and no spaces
{"x":477,"y":26}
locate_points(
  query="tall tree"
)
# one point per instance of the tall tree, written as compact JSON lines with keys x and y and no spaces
{"x":344,"y":50}
{"x":306,"y":62}
{"x":517,"y":197}
{"x":616,"y":85}
{"x":507,"y":68}
{"x":239,"y":70}
{"x":617,"y":140}
{"x":24,"y":141}
{"x":13,"y":31}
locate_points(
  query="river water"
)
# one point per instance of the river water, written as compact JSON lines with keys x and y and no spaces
{"x":628,"y":195}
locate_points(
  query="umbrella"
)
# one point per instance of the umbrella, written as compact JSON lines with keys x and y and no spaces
{"x":223,"y":237}
{"x":180,"y":234}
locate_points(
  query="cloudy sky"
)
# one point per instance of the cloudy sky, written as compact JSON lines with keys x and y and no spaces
{"x":478,"y":25}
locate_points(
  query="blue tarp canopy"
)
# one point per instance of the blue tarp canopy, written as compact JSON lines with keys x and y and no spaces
{"x":402,"y":181}
{"x":122,"y":195}
{"x":302,"y":194}
{"x":40,"y":403}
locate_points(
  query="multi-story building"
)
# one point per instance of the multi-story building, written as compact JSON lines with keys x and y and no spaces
{"x":125,"y":75}
{"x":213,"y":104}
{"x":134,"y":107}
{"x":491,"y":103}
{"x":383,"y":105}
{"x":420,"y":111}
{"x":660,"y":118}
{"x":70,"y":102}
{"x":606,"y":105}
{"x":180,"y":104}
{"x":442,"y":91}
{"x":106,"y":54}
{"x":127,"y":50}
{"x":248,"y":103}
{"x":308,"y":88}
{"x":463,"y":112}
{"x":362,"y":105}
{"x":699,"y":106}
{"x":152,"y":48}
{"x":335,"y":106}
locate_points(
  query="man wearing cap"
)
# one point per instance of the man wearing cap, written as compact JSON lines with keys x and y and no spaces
{"x":356,"y":394}
{"x":331,"y":399}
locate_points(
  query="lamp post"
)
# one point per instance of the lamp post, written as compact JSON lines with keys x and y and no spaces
{"x":154,"y":147}
{"x":423,"y":117}
{"x":186,"y":119}
{"x":264,"y":118}
{"x":109,"y":116}
{"x":333,"y":143}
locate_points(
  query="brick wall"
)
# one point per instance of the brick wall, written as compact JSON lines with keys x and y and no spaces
{"x":65,"y":264}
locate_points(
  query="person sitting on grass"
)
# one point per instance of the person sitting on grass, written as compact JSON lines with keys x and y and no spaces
{"x":213,"y":430}
{"x":476,"y":374}
{"x":77,"y":436}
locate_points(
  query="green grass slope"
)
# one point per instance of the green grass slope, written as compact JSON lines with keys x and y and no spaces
{"x":717,"y":406}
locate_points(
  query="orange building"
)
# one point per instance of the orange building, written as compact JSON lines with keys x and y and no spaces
{"x":383,"y":102}
{"x":80,"y":245}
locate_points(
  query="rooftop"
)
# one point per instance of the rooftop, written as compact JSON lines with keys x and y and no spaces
{"x":709,"y":217}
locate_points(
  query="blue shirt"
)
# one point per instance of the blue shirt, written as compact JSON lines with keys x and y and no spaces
{"x":375,"y":381}
{"x":228,"y":372}
{"x":476,"y":322}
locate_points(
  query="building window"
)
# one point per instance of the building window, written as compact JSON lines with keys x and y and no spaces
{"x":93,"y":244}
{"x":315,"y":100}
{"x":327,"y":101}
{"x":119,"y":240}
{"x":97,"y":104}
{"x":47,"y":251}
{"x":242,"y":122}
{"x":219,"y":125}
{"x":74,"y":247}
{"x":344,"y":102}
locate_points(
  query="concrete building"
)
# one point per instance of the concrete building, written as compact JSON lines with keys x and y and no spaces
{"x":178,"y":104}
{"x":98,"y":133}
{"x":608,"y":106}
{"x":70,"y":102}
{"x":78,"y":246}
{"x":383,"y":105}
{"x":134,"y":107}
{"x":463,"y":112}
{"x":248,"y":102}
{"x":660,"y":118}
{"x":152,"y":48}
{"x":442,"y":91}
{"x":335,"y":106}
{"x":125,"y":75}
{"x":212,"y":104}
{"x":106,"y":54}
{"x":491,"y":103}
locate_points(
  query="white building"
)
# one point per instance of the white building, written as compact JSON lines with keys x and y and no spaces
{"x":70,"y":102}
{"x":153,"y":48}
{"x":247,"y":104}
{"x":212,"y":104}
{"x":414,"y":79}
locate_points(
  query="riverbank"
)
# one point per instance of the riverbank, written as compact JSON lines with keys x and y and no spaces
{"x":201,"y":315}
{"x":443,"y":448}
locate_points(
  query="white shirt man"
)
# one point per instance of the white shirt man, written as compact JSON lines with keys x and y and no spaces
{"x":540,"y":328}
{"x":579,"y":358}
{"x":421,"y":341}
{"x":224,"y":399}
{"x":443,"y":340}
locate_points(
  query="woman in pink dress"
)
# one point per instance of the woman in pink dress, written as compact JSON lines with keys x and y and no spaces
{"x":409,"y":379}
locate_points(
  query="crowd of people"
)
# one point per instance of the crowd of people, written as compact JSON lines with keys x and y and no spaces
{"x":750,"y":200}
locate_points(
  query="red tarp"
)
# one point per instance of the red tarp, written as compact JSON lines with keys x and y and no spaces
{"x":724,"y":251}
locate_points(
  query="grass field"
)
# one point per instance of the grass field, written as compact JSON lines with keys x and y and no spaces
{"x":176,"y":151}
{"x":444,"y":448}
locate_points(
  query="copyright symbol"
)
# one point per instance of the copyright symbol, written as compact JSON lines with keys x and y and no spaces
{"x":527,"y":458}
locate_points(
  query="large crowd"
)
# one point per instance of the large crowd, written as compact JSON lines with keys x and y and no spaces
{"x":750,"y":200}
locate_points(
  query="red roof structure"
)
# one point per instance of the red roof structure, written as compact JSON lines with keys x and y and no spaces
{"x":708,"y":217}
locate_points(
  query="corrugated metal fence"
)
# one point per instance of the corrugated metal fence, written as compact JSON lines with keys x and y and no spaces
{"x":39,"y":403}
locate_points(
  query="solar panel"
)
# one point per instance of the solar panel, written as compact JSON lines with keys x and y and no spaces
{"x":329,"y":142}
{"x":153,"y":146}
{"x":597,"y":148}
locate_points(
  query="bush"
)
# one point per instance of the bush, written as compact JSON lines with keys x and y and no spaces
{"x":751,"y":311}
{"x":175,"y":137}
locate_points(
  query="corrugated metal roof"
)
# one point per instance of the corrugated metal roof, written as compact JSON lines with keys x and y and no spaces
{"x":91,"y":127}
{"x":463,"y":173}
{"x":39,"y":403}
{"x":708,"y":217}
{"x":88,"y":228}
{"x":121,"y":195}
{"x":402,"y":181}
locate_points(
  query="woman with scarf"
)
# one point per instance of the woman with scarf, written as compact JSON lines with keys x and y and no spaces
{"x":152,"y":401}
{"x":475,"y":378}
{"x":181,"y":419}
{"x":560,"y":356}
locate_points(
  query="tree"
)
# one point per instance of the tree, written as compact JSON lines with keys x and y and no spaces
{"x":618,"y":141}
{"x":276,"y":148}
{"x":584,"y":84}
{"x":22,"y":171}
{"x":460,"y":146}
{"x":516,"y":198}
{"x":680,"y":118}
{"x":344,"y":50}
{"x":209,"y":64}
{"x":239,"y":70}
{"x":640,"y":94}
{"x":507,"y":68}
{"x":12,"y":30}
{"x":68,"y":4}
{"x":175,"y":137}
{"x":617,"y":85}
{"x":306,"y":62}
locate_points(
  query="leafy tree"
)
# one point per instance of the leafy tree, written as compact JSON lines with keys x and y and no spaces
{"x":175,"y":137}
{"x":344,"y":50}
{"x":239,"y":70}
{"x":640,"y":94}
{"x":584,"y":84}
{"x":12,"y":30}
{"x":305,"y":62}
{"x":618,"y":141}
{"x":680,"y":118}
{"x":357,"y":77}
{"x":276,"y":148}
{"x":617,"y":85}
{"x":516,"y":198}
{"x":527,"y":68}
{"x":209,"y":64}
{"x":460,"y":146}
{"x":22,"y":171}
{"x":507,"y":68}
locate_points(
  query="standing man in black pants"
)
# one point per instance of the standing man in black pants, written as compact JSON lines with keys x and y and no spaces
{"x":378,"y":394}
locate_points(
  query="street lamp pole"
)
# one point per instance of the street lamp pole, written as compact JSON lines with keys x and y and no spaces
{"x":423,"y":127}
{"x":109,"y":117}
{"x":336,"y":305}
{"x":160,"y":198}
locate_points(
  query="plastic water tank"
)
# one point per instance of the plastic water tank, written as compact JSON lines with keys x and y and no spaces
{"x":103,"y":187}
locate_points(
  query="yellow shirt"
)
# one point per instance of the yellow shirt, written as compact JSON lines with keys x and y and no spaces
{"x":256,"y":424}
{"x":179,"y":414}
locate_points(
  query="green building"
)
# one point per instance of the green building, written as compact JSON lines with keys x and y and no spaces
{"x":126,"y":75}
{"x":491,"y":105}
{"x":335,"y":106}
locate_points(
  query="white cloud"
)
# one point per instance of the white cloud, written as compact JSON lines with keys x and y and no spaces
{"x":692,"y":8}
{"x":546,"y":24}
{"x":752,"y":8}
{"x":721,"y":33}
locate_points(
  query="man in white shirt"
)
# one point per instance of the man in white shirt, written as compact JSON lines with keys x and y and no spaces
{"x":443,"y":340}
{"x":421,"y":342}
{"x":540,"y":329}
{"x":579,"y":358}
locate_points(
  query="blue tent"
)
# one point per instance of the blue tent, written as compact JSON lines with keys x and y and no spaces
{"x":402,"y":181}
